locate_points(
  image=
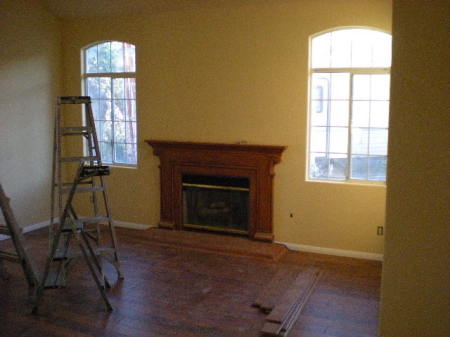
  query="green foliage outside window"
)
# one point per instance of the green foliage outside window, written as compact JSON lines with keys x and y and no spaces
{"x":110,"y":81}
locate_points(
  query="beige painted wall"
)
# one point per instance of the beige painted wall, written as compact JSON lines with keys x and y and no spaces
{"x":237,"y":73}
{"x":30,"y":54}
{"x":416,"y":272}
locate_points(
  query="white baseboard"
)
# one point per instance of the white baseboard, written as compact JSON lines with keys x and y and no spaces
{"x":291,"y":246}
{"x":29,"y":228}
{"x":132,"y":225}
{"x":117,"y":223}
{"x":333,"y":251}
{"x":36,"y":226}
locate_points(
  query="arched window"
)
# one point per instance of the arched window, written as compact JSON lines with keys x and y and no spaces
{"x":109,"y":77}
{"x":349,"y":105}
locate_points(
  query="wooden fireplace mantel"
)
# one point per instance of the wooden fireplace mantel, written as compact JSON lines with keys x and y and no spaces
{"x":255,"y":162}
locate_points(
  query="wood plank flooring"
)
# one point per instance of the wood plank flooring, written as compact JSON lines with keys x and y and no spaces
{"x":176,"y":292}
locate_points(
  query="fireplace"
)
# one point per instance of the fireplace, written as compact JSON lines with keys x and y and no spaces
{"x":223,"y":187}
{"x":216,"y":203}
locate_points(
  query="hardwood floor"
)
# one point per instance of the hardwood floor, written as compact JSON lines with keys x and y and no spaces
{"x":175,"y":292}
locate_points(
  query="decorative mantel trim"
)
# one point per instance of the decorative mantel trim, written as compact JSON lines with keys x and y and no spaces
{"x":255,"y":162}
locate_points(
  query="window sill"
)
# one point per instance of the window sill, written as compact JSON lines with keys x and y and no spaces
{"x":122,"y":166}
{"x":349,"y":182}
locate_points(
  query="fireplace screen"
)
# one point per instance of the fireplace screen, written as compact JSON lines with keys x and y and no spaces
{"x":216,"y":203}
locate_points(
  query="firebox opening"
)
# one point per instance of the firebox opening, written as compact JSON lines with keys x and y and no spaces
{"x":216,"y":203}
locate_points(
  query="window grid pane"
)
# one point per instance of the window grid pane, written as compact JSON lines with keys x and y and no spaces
{"x":354,"y":47}
{"x":341,"y":48}
{"x":338,"y":166}
{"x":318,"y":165}
{"x":348,"y":135}
{"x":369,"y":130}
{"x":113,"y":100}
{"x":91,"y":59}
{"x":377,"y":168}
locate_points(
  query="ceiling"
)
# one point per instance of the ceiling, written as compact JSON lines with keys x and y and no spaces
{"x":71,"y":9}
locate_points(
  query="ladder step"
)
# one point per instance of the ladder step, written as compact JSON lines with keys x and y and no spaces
{"x":76,"y":130}
{"x":68,"y":226}
{"x":104,"y":250}
{"x":83,"y":189}
{"x":74,"y":99}
{"x":55,"y":280}
{"x":10,"y":257}
{"x":82,"y":221}
{"x":75,"y":159}
{"x":4,"y":230}
{"x":59,"y":254}
{"x":72,"y":254}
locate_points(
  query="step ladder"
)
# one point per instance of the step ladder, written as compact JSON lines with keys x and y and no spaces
{"x":20,"y":256}
{"x":90,"y":188}
{"x":72,"y":233}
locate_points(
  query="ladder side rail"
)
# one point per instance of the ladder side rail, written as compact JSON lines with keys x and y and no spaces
{"x":94,"y":275}
{"x":62,"y":264}
{"x":59,"y":166}
{"x":56,"y":239}
{"x":85,"y":237}
{"x":3,"y":273}
{"x":112,"y":230}
{"x":54,"y":170}
{"x":54,"y":246}
{"x":91,"y":123}
{"x":93,"y":146}
{"x":18,"y":241}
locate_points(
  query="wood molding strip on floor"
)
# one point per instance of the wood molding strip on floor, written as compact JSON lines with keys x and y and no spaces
{"x":285,"y":313}
{"x":269,"y":296}
{"x":294,"y":292}
{"x":299,"y":307}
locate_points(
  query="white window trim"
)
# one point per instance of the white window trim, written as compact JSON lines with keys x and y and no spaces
{"x":352,"y":71}
{"x":85,"y":76}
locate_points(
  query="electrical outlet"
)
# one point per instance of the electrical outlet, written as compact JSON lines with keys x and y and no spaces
{"x":380,"y":230}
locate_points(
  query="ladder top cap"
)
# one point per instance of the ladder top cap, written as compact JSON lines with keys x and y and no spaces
{"x":74,"y":99}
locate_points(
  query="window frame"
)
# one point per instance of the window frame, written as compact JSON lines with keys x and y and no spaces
{"x":351,"y":71}
{"x":111,"y":75}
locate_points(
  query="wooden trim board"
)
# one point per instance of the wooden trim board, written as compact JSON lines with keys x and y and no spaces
{"x":292,"y":295}
{"x":269,"y":296}
{"x":290,"y":303}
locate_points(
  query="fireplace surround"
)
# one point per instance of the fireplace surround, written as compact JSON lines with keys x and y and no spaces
{"x":253,"y":162}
